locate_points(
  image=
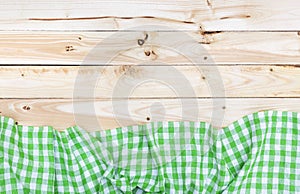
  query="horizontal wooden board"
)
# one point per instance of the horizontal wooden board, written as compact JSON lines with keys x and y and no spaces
{"x":149,"y":81}
{"x":111,"y":114}
{"x":149,"y":48}
{"x":211,"y":15}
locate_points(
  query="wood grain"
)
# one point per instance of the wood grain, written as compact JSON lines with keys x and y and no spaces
{"x":149,"y":72}
{"x":211,"y":15}
{"x":110,"y":114}
{"x":107,"y":48}
{"x":149,"y":81}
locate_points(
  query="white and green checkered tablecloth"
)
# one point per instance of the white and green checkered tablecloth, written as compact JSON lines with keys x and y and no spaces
{"x":259,"y":153}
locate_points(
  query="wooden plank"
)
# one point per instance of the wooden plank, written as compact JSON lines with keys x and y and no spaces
{"x":149,"y":81}
{"x":123,"y":48}
{"x":212,"y":15}
{"x":111,"y":114}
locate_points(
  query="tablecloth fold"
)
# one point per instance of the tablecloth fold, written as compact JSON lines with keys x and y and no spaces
{"x":258,"y":153}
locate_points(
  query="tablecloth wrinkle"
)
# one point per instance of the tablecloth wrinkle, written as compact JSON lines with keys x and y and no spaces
{"x":259,"y":153}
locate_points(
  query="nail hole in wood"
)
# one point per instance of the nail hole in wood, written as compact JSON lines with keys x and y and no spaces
{"x":69,"y":48}
{"x":153,"y":52}
{"x":148,"y":118}
{"x":79,"y":38}
{"x":16,"y":123}
{"x":147,"y":53}
{"x":26,"y":108}
{"x":203,"y":77}
{"x":271,"y":69}
{"x":224,"y":107}
{"x":146,"y":37}
{"x":141,"y":42}
{"x":22,"y":74}
{"x":205,"y":58}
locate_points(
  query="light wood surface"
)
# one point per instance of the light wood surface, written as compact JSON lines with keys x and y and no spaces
{"x":157,"y":58}
{"x":211,"y":15}
{"x":110,"y":114}
{"x":107,"y":82}
{"x":120,"y":48}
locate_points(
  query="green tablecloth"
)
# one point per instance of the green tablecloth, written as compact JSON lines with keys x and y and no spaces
{"x":259,"y":153}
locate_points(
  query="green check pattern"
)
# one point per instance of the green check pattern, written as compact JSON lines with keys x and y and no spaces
{"x":259,"y":153}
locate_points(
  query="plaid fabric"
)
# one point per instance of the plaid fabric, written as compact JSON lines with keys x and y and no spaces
{"x":258,"y":153}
